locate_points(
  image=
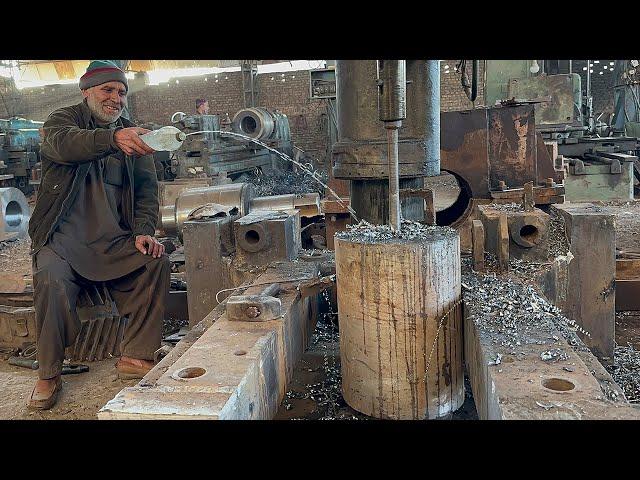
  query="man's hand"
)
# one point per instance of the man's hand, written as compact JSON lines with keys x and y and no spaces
{"x":128,"y":140}
{"x":148,"y":245}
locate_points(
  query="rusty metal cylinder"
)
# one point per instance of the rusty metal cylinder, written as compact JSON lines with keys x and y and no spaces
{"x":431,"y":122}
{"x":400,"y":322}
{"x":392,"y":81}
{"x":361,"y":151}
{"x":14,"y":213}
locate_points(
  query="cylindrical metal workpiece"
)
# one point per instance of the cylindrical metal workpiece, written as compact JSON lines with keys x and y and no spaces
{"x":168,"y":192}
{"x":307,"y":203}
{"x":360,"y":152}
{"x":361,"y":149}
{"x":432,"y":118}
{"x":400,"y":321}
{"x":392,"y":81}
{"x":357,"y":96}
{"x":254,"y":122}
{"x":232,"y":194}
{"x":394,"y":180}
{"x":14,"y":208}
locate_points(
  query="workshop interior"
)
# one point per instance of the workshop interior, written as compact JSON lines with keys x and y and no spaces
{"x":354,"y":240}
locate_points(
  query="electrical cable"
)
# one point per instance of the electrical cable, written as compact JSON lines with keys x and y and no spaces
{"x":30,"y":351}
{"x":259,"y":285}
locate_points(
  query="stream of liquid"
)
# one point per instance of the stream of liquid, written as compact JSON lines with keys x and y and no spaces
{"x":284,"y":156}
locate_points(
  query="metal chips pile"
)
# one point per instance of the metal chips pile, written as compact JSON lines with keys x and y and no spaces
{"x":516,"y":313}
{"x":507,"y":207}
{"x":626,"y":371}
{"x":367,"y":233}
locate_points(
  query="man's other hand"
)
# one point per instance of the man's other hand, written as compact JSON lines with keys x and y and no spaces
{"x":128,"y":140}
{"x":148,"y":245}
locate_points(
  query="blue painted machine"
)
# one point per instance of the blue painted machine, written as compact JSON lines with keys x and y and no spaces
{"x":19,"y":151}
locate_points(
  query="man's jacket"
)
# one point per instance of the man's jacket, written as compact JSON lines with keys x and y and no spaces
{"x":71,"y":142}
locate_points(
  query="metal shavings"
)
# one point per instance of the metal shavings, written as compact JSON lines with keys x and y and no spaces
{"x":283,"y":182}
{"x":525,"y":268}
{"x":327,"y":393}
{"x":365,"y":232}
{"x":625,"y":370}
{"x":557,"y":235}
{"x":497,"y":361}
{"x":546,"y":407}
{"x":514,"y":313}
{"x":554,"y":355}
{"x":507,"y":207}
{"x":520,"y":269}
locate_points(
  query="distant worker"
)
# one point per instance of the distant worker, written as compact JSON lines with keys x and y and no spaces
{"x":202,"y":106}
{"x":226,"y":122}
{"x":94,"y":221}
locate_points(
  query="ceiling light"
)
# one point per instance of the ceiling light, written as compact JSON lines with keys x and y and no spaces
{"x":590,"y":71}
{"x":612,"y":63}
{"x":596,"y":61}
{"x":535,"y":68}
{"x":584,"y":68}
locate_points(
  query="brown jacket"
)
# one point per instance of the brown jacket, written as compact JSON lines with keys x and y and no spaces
{"x":70,"y":143}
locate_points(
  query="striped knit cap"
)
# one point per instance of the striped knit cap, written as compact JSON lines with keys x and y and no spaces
{"x":102,"y":71}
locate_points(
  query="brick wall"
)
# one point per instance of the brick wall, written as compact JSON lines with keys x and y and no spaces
{"x":37,"y":103}
{"x":225,"y":95}
{"x":452,"y":96}
{"x":156,"y":103}
{"x":289,"y":93}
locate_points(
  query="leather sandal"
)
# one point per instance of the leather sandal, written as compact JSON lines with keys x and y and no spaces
{"x":45,"y":399}
{"x":129,"y":371}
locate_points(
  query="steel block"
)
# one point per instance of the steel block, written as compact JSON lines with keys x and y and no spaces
{"x":264,"y":236}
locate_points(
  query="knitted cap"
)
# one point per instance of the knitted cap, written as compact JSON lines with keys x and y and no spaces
{"x":102,"y":71}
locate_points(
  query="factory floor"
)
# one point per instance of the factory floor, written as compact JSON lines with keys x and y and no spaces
{"x":314,"y":393}
{"x":315,"y":390}
{"x":82,"y":394}
{"x":81,"y":397}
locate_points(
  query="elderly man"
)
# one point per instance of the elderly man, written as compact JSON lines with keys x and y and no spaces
{"x":94,"y":221}
{"x":202,"y":106}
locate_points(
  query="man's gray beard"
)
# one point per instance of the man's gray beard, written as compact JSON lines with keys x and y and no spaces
{"x":99,"y":114}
